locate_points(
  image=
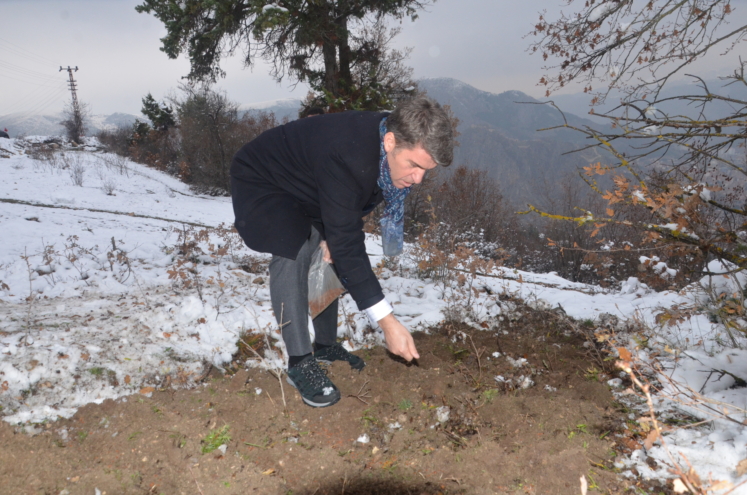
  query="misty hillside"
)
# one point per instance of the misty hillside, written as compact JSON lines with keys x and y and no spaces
{"x":500,"y":135}
{"x":28,"y":124}
{"x":286,"y":107}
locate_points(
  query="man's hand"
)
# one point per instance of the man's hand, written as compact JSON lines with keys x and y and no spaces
{"x":326,"y":256}
{"x":398,"y":338}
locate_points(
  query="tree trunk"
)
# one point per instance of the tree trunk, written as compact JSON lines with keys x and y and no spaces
{"x":345,"y":79}
{"x":331,"y":69}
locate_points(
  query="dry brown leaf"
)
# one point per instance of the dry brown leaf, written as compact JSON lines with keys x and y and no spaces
{"x":625,"y":354}
{"x":4,"y":386}
{"x":653,"y":436}
{"x":630,"y":444}
{"x":127,"y":379}
{"x":742,"y":467}
{"x":166,"y":334}
{"x":269,"y":472}
{"x":147,"y":390}
{"x":720,"y":485}
{"x":85,"y":356}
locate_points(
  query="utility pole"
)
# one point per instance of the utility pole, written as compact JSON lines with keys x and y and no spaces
{"x":77,"y":116}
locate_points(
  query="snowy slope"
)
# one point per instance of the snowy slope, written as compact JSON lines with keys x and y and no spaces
{"x":99,"y":315}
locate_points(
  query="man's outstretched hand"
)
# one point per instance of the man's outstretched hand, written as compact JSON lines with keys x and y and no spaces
{"x":398,"y":338}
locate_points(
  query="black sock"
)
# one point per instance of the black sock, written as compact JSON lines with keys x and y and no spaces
{"x":319,"y":347}
{"x":294,"y":360}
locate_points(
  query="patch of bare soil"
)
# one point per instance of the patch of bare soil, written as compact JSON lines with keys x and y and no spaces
{"x":499,"y":438}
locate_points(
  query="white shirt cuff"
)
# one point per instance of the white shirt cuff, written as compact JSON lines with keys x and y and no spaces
{"x":378,"y":311}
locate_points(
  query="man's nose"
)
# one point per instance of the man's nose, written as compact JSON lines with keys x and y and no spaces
{"x":418,"y":176}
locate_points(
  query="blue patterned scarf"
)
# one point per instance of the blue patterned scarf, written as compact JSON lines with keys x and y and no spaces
{"x":392,"y":220}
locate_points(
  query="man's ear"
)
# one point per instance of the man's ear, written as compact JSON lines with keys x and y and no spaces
{"x":390,"y":142}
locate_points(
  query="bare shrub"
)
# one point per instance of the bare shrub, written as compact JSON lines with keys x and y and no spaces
{"x":109,"y":186}
{"x":45,"y":158}
{"x":158,"y":149}
{"x":677,"y":152}
{"x":116,"y":163}
{"x":211,"y":130}
{"x":117,"y":141}
{"x":200,"y":148}
{"x":468,"y":207}
{"x":75,"y":121}
{"x":74,"y":164}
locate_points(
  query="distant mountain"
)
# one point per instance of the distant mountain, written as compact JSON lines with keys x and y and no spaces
{"x":286,"y":107}
{"x":26,"y":124}
{"x":499,"y":133}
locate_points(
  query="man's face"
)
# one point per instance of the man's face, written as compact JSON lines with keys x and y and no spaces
{"x":406,"y":166}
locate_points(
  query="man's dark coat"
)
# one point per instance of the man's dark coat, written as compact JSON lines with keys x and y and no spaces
{"x":319,"y":171}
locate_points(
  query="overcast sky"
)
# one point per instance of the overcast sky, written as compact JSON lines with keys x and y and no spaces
{"x":480,"y":42}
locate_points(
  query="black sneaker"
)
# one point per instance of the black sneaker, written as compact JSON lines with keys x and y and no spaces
{"x":312,"y":383}
{"x":338,"y":353}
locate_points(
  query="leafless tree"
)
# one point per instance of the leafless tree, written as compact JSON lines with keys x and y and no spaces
{"x":75,"y":122}
{"x":687,"y":169}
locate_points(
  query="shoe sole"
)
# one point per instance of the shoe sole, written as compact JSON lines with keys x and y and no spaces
{"x":358,"y":366}
{"x":311,"y":402}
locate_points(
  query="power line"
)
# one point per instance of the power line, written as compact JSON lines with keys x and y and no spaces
{"x":47,"y":103}
{"x":37,"y":82}
{"x":40,"y":93}
{"x":25,"y":72}
{"x":43,"y":105}
{"x":26,"y":53}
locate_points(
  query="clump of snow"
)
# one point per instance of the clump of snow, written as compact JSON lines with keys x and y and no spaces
{"x":273,"y":7}
{"x":615,"y":382}
{"x":442,"y":414}
{"x":658,"y":267}
{"x":723,"y":281}
{"x":634,"y":286}
{"x":516,"y":363}
{"x":600,"y":11}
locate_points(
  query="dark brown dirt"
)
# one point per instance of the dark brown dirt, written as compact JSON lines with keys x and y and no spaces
{"x":498,"y":439}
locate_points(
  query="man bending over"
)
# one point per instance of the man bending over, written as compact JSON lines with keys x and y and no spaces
{"x":310,"y":182}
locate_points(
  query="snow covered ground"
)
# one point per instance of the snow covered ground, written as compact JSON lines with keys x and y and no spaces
{"x":89,"y":308}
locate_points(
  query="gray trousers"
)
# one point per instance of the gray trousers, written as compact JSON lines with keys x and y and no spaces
{"x":289,"y":292}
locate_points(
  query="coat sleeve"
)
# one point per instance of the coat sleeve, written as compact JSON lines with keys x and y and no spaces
{"x":341,"y":198}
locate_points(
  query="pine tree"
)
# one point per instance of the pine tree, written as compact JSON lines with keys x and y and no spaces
{"x":160,"y":115}
{"x":312,"y":41}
